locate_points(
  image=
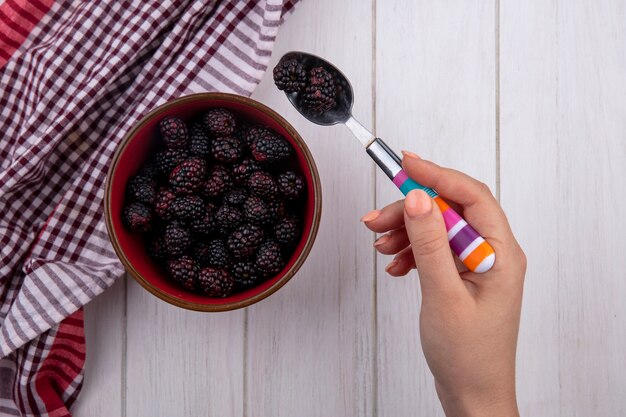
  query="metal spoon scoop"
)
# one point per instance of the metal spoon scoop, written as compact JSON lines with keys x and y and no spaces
{"x":471,"y":248}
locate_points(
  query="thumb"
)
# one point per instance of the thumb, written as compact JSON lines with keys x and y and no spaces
{"x":429,"y":242}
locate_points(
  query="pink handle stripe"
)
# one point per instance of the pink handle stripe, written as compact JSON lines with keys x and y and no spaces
{"x":400,"y":178}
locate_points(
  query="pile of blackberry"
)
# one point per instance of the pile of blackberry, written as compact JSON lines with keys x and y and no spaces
{"x":219,"y":203}
{"x":316,"y":86}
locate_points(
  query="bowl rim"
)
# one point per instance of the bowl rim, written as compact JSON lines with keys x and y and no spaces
{"x":310,"y":239}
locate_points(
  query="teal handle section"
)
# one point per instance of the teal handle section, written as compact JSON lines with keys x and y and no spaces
{"x":406,"y":184}
{"x":411,"y":185}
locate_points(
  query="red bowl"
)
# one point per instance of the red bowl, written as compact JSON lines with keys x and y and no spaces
{"x":132,"y":153}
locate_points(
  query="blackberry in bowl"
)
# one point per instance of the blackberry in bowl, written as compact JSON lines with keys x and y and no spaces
{"x":212,"y":202}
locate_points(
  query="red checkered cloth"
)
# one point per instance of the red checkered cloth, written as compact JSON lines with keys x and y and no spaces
{"x":74,"y":78}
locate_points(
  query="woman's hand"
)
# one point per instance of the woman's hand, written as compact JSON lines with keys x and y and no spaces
{"x":468,"y":322}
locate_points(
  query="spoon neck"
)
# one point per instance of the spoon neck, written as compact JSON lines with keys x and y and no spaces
{"x":361,"y":132}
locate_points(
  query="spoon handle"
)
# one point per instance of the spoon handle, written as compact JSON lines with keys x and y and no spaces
{"x":471,"y":248}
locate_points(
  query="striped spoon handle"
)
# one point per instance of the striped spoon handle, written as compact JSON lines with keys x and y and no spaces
{"x":471,"y":248}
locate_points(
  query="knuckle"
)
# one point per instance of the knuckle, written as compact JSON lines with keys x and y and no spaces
{"x":523,"y":261}
{"x":484,"y":188}
{"x":517,"y":265}
{"x":428,"y":243}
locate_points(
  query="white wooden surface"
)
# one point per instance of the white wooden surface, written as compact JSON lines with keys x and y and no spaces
{"x":530,"y":97}
{"x":563,"y":148}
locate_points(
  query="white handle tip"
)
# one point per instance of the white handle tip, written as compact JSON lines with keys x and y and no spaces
{"x":486,"y":264}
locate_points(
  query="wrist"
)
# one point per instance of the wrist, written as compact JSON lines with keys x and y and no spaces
{"x":503,"y":404}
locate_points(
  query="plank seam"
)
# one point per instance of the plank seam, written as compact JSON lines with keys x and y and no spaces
{"x":497,"y":91}
{"x":124,"y":385}
{"x":374,"y":342}
{"x":558,"y":218}
{"x":245,"y":363}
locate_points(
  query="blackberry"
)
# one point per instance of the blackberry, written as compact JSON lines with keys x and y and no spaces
{"x":287,"y":232}
{"x":242,"y":133}
{"x":219,"y":122}
{"x":186,"y":208}
{"x":217,"y":182}
{"x":245,"y":275}
{"x":277,"y":207}
{"x":141,"y":189}
{"x":201,"y":253}
{"x":188,"y":176}
{"x":244,"y":240}
{"x":216,"y":282}
{"x":256,"y":211}
{"x":155,"y":247}
{"x":137,"y":217}
{"x":177,"y":239}
{"x":321,"y":91}
{"x":290,"y":76}
{"x":270,"y":148}
{"x":163,"y":201}
{"x":206,"y":224}
{"x":242,"y":170}
{"x":169,"y":159}
{"x":290,"y":184}
{"x":319,"y":77}
{"x":317,"y":103}
{"x":184,"y":271}
{"x":236,"y":197}
{"x":149,"y":170}
{"x":214,"y":253}
{"x":199,"y":142}
{"x":227,"y":218}
{"x":262,"y":184}
{"x":256,"y":132}
{"x":226,"y":149}
{"x":269,"y":260}
{"x":174,"y":132}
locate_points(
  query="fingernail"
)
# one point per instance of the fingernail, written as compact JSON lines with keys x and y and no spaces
{"x":372,"y":215}
{"x":417,"y":203}
{"x":410,"y":155}
{"x":391,"y":265}
{"x":381,"y":240}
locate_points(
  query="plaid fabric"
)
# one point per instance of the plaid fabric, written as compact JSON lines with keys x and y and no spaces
{"x":74,"y":78}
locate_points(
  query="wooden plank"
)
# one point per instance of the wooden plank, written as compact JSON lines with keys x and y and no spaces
{"x":310,"y":345}
{"x":563,"y":128}
{"x":435,"y":95}
{"x":182,"y":363}
{"x":591,"y":139}
{"x":529,"y":183}
{"x":101,"y":395}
